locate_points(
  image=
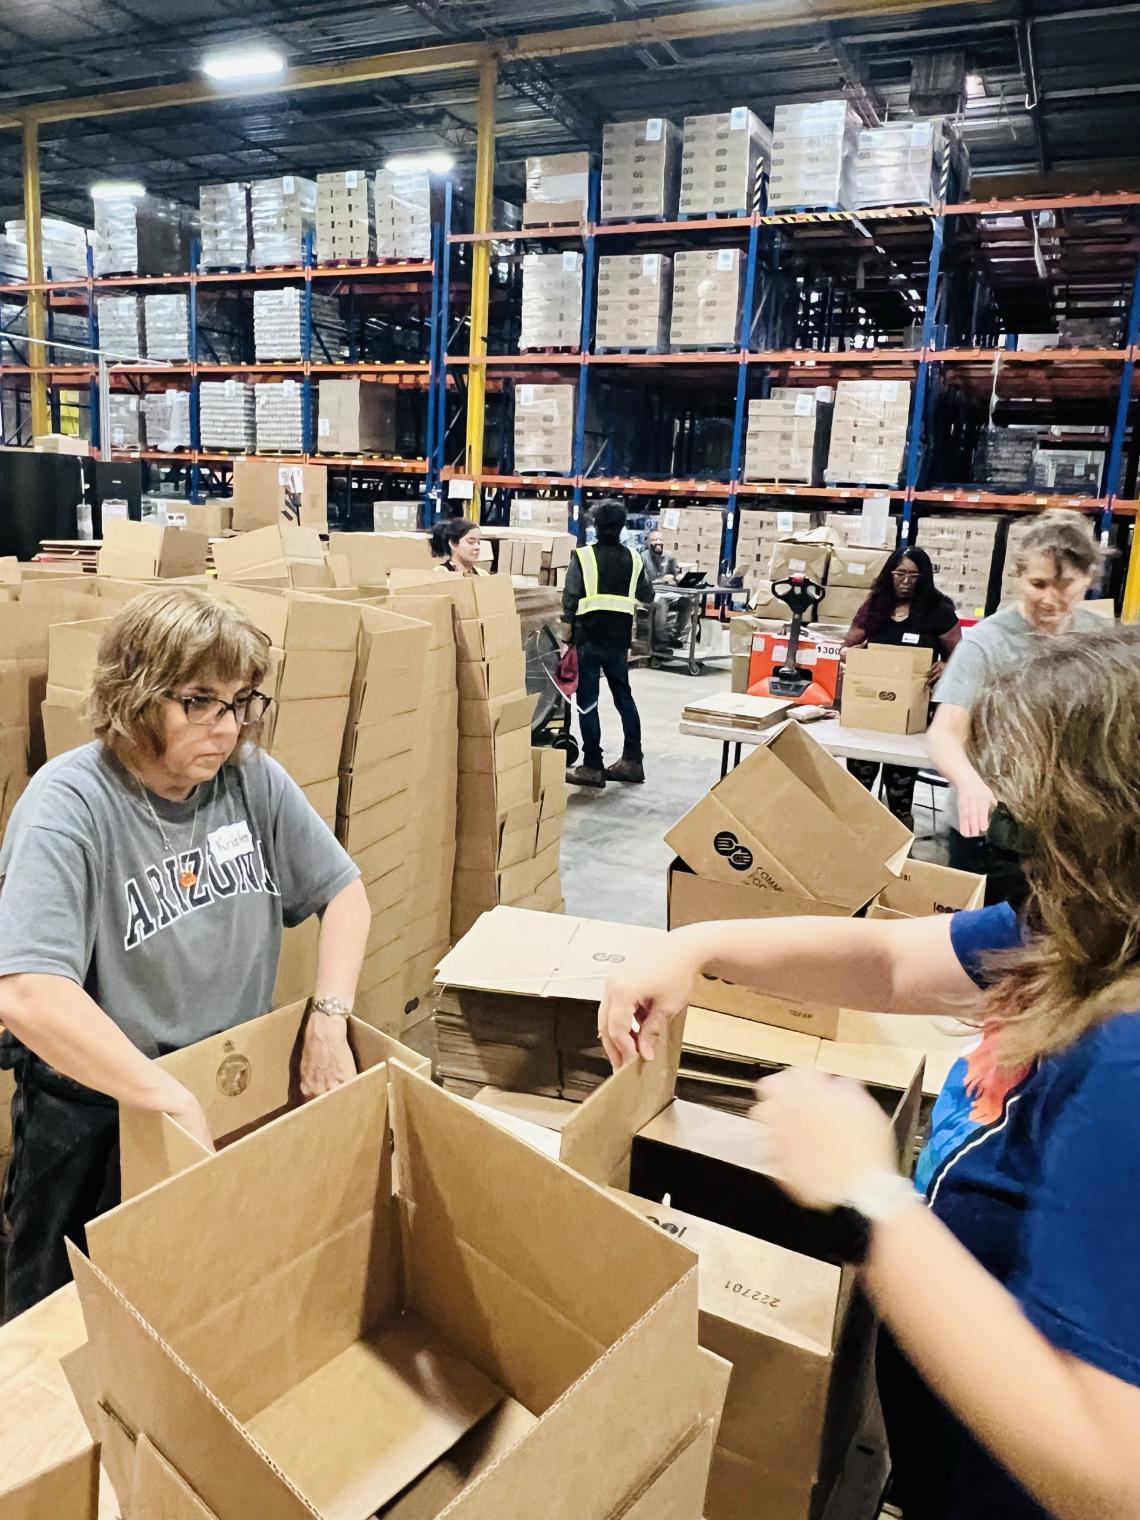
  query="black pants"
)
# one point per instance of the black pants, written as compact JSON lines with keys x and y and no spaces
{"x":1005,"y":879}
{"x":611,"y":660}
{"x":64,"y":1171}
{"x":898,"y":784}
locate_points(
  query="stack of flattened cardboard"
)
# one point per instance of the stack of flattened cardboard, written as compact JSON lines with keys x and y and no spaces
{"x":787,"y":832}
{"x":541,"y":554}
{"x":517,"y":999}
{"x":373,"y":819}
{"x":550,"y":796}
{"x":466,"y":1356}
{"x":73,"y":650}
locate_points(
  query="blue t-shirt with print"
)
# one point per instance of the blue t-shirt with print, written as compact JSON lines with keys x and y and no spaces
{"x":1045,"y":1198}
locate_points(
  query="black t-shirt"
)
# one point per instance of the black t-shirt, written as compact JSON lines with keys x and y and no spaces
{"x":924,"y":628}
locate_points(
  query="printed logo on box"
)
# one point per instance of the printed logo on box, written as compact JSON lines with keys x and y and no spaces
{"x":234,"y":1073}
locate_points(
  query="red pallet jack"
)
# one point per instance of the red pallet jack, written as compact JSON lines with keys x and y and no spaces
{"x":802,"y":596}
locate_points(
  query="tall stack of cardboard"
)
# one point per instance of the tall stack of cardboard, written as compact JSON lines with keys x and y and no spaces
{"x":814,"y":147}
{"x":961,"y":551}
{"x":694,"y":536}
{"x":224,"y":213}
{"x":166,"y":419}
{"x":706,"y":297}
{"x":227,"y":415}
{"x":551,"y":301}
{"x":550,"y":796}
{"x":345,"y":229}
{"x":166,"y":319}
{"x":633,"y":301}
{"x":403,"y":214}
{"x":120,"y":326}
{"x":278,"y":323}
{"x":73,"y":650}
{"x":282,"y":215}
{"x":557,"y":188}
{"x":721,"y":162}
{"x":868,"y":432}
{"x":355,"y":417}
{"x":142,"y":235}
{"x":641,"y":162}
{"x":373,"y":812}
{"x":787,"y":438}
{"x":279,"y":416}
{"x":544,"y":428}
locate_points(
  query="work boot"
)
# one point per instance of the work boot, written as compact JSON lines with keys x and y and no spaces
{"x":587,"y":775}
{"x":626,"y":769}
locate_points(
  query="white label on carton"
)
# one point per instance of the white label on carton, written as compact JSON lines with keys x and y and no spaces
{"x":114,"y":507}
{"x":230,"y":842}
{"x":856,"y":569}
{"x":287,"y":185}
{"x":174,"y":519}
{"x":653,"y":129}
{"x":350,"y":179}
{"x":525,"y":512}
{"x":805,"y":404}
{"x":890,"y":390}
{"x":910,"y":638}
{"x":526,"y":395}
{"x":289,"y":388}
{"x":569,"y":263}
{"x":738,"y":118}
{"x":798,"y":566}
{"x":230,"y":387}
{"x":823,"y":393}
{"x":292,"y":477}
{"x":324,"y":427}
{"x":724,"y":258}
{"x":461,"y":490}
{"x":671,"y":517}
{"x":784,"y":522}
{"x":649,"y":265}
{"x":401,"y":512}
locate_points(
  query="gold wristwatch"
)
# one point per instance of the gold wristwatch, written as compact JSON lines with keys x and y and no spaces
{"x":333,"y":1006}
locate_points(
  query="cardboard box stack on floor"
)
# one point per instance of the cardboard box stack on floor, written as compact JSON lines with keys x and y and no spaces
{"x":633,"y":305}
{"x":851,"y":572}
{"x":641,"y":170}
{"x":557,"y":189}
{"x":787,"y":832}
{"x":694,"y":536}
{"x":758,"y":532}
{"x":73,"y":650}
{"x":470,"y":1356}
{"x":707,"y":285}
{"x":544,"y":428}
{"x":868,"y":432}
{"x":721,"y":162}
{"x":345,"y":230}
{"x":961,"y":551}
{"x":551,"y":301}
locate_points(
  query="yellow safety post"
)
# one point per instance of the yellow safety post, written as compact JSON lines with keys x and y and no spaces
{"x":1131,"y":610}
{"x":481,"y":277}
{"x":37,"y":315}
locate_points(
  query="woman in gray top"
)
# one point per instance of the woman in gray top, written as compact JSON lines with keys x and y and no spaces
{"x":1057,"y":562}
{"x":145,"y":880}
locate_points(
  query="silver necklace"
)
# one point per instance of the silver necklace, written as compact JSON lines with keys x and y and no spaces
{"x":185,"y":878}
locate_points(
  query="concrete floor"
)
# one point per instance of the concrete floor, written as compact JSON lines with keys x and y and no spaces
{"x":614,"y":856}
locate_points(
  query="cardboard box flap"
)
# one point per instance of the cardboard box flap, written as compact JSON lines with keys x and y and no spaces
{"x":898,"y":662}
{"x":480,"y":1449}
{"x":677,"y":1491}
{"x":509,"y":950}
{"x":923,"y":888}
{"x":596,"y":1141}
{"x":158,"y":1491}
{"x":297,"y":622}
{"x":747,"y":1040}
{"x":595,"y":952}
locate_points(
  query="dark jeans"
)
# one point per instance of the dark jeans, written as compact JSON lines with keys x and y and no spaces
{"x":64,"y":1171}
{"x":612,"y":660}
{"x":898,"y":784}
{"x":1005,"y":879}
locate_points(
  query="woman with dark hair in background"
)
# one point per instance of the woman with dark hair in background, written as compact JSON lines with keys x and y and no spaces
{"x":456,"y":542}
{"x":904,"y":607}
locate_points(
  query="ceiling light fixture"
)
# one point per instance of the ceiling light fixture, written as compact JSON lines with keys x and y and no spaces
{"x":437,"y":162}
{"x":117,"y":190}
{"x":243,"y":63}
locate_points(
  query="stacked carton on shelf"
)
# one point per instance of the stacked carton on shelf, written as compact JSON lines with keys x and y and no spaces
{"x":536,"y":512}
{"x":814,"y":147}
{"x":721,"y":162}
{"x":694,"y":536}
{"x":633,"y":304}
{"x":395,"y":516}
{"x":544,"y":429}
{"x":757,"y":534}
{"x":267,"y":493}
{"x":640,"y":170}
{"x":282,"y":214}
{"x":345,"y":230}
{"x":166,"y":419}
{"x":787,"y":438}
{"x":355,"y":417}
{"x":403,"y":214}
{"x":144,"y":235}
{"x":123,"y":414}
{"x":961,"y":550}
{"x":227,"y":415}
{"x":224,"y":213}
{"x":851,"y":572}
{"x":899,"y":164}
{"x":557,"y":188}
{"x":869,"y":432}
{"x":167,"y":322}
{"x":279,"y":416}
{"x":551,"y":301}
{"x":707,"y":286}
{"x":278,"y":324}
{"x":120,"y":326}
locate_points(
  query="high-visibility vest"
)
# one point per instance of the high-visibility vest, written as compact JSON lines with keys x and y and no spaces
{"x":591,"y":600}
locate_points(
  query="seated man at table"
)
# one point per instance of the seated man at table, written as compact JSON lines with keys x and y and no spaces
{"x":669,"y":617}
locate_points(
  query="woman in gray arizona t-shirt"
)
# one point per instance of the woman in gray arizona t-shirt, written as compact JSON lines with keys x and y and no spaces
{"x":145,"y":880}
{"x":1056,"y":559}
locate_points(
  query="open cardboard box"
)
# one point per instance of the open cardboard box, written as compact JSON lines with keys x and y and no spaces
{"x":790,"y":820}
{"x":244,"y":1078}
{"x":373,"y":556}
{"x":373,"y":1275}
{"x":924,"y":888}
{"x":885,"y":690}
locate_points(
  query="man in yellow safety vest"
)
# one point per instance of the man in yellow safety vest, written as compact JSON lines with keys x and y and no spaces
{"x":604,"y":584}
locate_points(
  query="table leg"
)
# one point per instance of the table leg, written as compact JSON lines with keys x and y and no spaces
{"x":736,"y":761}
{"x":724,"y":748}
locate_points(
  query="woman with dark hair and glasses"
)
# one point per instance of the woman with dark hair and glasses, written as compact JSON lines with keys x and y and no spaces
{"x":145,"y":880}
{"x":904,"y":607}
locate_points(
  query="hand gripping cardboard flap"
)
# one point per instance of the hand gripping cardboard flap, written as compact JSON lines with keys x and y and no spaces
{"x":336,"y":1336}
{"x":244,"y":1078}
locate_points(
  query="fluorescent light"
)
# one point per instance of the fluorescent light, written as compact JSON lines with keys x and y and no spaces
{"x":437,"y":162}
{"x":243,"y":63}
{"x":117,"y":189}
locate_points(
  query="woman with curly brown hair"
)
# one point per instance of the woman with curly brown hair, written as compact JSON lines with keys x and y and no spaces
{"x":1009,"y":1369}
{"x":145,"y":880}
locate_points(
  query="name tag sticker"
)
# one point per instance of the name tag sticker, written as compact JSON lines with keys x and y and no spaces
{"x":230,"y":841}
{"x":910,"y":638}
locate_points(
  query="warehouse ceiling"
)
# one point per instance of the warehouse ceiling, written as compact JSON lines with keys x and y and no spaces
{"x":1052,"y":88}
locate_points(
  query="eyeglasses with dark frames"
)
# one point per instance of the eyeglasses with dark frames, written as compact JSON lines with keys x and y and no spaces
{"x":248,"y":708}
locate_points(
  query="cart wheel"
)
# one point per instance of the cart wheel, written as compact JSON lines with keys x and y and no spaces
{"x":567,"y":745}
{"x":655,"y":662}
{"x":696,"y":668}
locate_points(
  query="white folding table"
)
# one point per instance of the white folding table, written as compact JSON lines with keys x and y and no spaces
{"x":843,"y":743}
